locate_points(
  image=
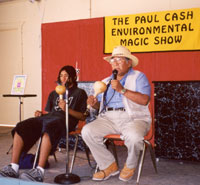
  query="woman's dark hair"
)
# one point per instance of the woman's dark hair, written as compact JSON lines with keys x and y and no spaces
{"x":71,"y":72}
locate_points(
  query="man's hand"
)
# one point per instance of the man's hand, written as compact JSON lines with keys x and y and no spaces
{"x":91,"y":100}
{"x":116,"y":85}
{"x":38,"y":113}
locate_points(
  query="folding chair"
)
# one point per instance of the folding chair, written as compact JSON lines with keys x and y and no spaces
{"x":77,"y":135}
{"x":78,"y":140}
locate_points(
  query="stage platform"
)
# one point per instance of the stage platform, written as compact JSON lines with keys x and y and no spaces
{"x":170,"y":172}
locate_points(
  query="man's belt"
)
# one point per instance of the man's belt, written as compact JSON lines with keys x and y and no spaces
{"x":115,"y":109}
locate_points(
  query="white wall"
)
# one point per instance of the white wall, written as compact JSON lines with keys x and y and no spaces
{"x":20,"y":39}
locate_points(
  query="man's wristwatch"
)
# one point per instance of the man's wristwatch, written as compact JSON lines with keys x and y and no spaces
{"x":123,"y":91}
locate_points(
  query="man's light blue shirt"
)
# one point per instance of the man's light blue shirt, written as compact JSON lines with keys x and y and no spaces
{"x":114,"y":98}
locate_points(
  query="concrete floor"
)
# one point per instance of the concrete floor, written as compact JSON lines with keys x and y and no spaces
{"x":170,"y":172}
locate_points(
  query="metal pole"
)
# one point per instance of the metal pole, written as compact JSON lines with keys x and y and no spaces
{"x":20,"y":109}
{"x":67,"y":132}
{"x":67,"y":178}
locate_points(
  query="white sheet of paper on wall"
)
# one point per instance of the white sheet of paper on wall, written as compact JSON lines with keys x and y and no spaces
{"x":19,"y":84}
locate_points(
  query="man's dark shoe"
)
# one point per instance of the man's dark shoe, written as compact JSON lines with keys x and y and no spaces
{"x":8,"y":171}
{"x":32,"y":175}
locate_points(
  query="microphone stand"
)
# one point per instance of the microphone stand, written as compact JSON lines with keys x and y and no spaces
{"x":68,"y":177}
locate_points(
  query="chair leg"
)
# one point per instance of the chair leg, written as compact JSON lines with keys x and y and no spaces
{"x":141,"y":161}
{"x":107,"y":141}
{"x":37,"y":152}
{"x":152,"y":152}
{"x":54,"y":155}
{"x":74,"y":154}
{"x":115,"y":152}
{"x":9,"y":149}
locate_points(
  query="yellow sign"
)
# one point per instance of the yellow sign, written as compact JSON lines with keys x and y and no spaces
{"x":157,"y":31}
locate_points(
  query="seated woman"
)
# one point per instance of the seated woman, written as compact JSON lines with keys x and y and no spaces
{"x":50,"y":126}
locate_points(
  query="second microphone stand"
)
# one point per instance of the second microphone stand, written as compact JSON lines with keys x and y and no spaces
{"x":68,"y":177}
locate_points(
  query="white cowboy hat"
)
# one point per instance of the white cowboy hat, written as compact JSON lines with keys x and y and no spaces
{"x":121,"y":51}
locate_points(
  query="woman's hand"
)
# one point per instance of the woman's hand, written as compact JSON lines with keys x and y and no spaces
{"x":62,"y":104}
{"x":38,"y":113}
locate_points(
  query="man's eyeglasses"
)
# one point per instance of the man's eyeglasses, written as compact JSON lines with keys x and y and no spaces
{"x":118,"y":60}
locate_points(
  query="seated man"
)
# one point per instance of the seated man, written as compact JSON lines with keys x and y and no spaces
{"x":50,"y":126}
{"x":123,"y":109}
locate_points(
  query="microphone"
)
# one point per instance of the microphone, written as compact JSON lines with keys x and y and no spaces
{"x":115,"y":72}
